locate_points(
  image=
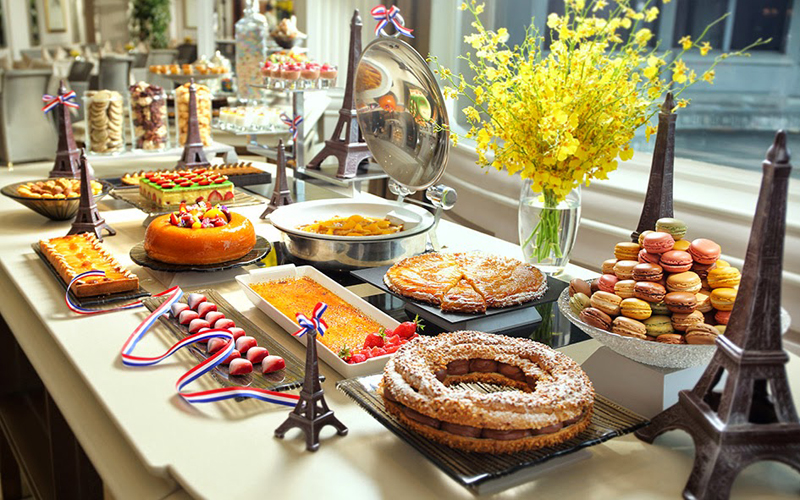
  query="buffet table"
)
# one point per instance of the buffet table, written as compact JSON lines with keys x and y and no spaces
{"x":145,"y":442}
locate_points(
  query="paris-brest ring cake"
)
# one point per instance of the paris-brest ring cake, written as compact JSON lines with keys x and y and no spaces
{"x":553,"y":404}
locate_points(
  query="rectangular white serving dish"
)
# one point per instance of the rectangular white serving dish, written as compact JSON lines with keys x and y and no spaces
{"x":370,"y":366}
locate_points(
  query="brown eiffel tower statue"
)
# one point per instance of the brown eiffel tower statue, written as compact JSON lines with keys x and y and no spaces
{"x":281,"y":194}
{"x":658,"y":200}
{"x":754,"y":417}
{"x":68,"y":156}
{"x":350,"y":150}
{"x":88,"y":219}
{"x":193,"y":155}
{"x":311,"y":413}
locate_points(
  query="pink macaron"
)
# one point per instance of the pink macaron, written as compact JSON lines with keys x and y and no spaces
{"x":676,"y":261}
{"x":658,"y":242}
{"x":647,"y":257}
{"x":704,"y":251}
{"x":606,"y":282}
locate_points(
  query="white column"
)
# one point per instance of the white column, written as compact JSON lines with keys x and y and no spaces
{"x":205,"y":28}
{"x":18,"y":26}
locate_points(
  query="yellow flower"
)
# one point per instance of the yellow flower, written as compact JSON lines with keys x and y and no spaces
{"x":463,"y":6}
{"x":643,"y":36}
{"x":651,"y":14}
{"x":648,"y":131}
{"x":479,"y":8}
{"x":679,"y":72}
{"x":708,"y":76}
{"x":626,"y":154}
{"x":600,"y":4}
{"x":686,"y":42}
{"x":705,"y":48}
{"x":626,"y":23}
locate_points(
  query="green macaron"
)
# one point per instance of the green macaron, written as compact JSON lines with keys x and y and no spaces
{"x":675,"y":227}
{"x":658,"y":325}
{"x":660,"y":309}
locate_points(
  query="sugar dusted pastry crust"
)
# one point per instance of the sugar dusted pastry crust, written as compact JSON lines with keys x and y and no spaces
{"x":77,"y":253}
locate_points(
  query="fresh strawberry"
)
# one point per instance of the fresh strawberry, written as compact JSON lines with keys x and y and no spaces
{"x":204,"y":182}
{"x":378,"y":351}
{"x":393,"y":340}
{"x":229,"y":195}
{"x":272,"y":364}
{"x":233,"y":355}
{"x":240,"y":366}
{"x":345,"y":354}
{"x":409,"y":328}
{"x":174,"y":220}
{"x":391,"y":349}
{"x":374,"y":340}
{"x":257,"y":354}
{"x":357,"y":358}
{"x":245,"y":343}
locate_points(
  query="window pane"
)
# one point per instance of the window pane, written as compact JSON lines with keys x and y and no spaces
{"x":557,"y":6}
{"x":761,"y":19}
{"x":692,"y":17}
{"x":514,"y":15}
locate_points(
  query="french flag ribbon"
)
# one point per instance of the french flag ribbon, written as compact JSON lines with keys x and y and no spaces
{"x":128,"y":359}
{"x":315,"y":323}
{"x":392,"y":15}
{"x":293,"y":125}
{"x":53,"y":101}
{"x":76,"y":308}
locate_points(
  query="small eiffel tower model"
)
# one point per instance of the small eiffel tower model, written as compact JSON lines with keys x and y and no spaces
{"x":281,"y":194}
{"x":88,"y":219}
{"x":193,"y":155}
{"x":68,"y":156}
{"x":754,"y":417}
{"x":351,"y":150}
{"x":658,"y":200}
{"x":311,"y":413}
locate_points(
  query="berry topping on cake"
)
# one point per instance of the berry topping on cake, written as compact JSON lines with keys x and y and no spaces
{"x":202,"y":215}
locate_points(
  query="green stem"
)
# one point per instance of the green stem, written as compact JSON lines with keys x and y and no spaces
{"x":546,"y":232}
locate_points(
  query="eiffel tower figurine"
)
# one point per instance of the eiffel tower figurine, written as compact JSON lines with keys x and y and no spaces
{"x":311,"y":413}
{"x":658,"y":200}
{"x":746,"y":422}
{"x":68,"y":155}
{"x":350,"y":150}
{"x":193,"y":155}
{"x":281,"y":194}
{"x":88,"y":219}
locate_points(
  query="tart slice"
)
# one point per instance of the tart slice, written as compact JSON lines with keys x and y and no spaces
{"x":502,"y":281}
{"x":463,"y":298}
{"x":426,"y":277}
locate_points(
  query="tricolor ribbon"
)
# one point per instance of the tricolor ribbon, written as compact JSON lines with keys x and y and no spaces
{"x":208,"y":396}
{"x":392,"y":15}
{"x":76,"y":308}
{"x":53,"y":101}
{"x":315,"y":323}
{"x":293,"y":125}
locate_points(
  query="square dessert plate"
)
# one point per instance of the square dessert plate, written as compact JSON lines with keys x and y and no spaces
{"x":484,"y":473}
{"x":372,"y":365}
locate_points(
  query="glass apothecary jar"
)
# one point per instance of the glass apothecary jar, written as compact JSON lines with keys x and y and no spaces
{"x":104,"y":121}
{"x":149,"y":119}
{"x":251,"y":50}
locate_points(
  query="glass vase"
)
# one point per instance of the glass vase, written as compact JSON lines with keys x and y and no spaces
{"x":547,"y":229}
{"x":251,"y":50}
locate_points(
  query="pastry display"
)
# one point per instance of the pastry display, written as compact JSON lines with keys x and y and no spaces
{"x":77,"y":253}
{"x":56,"y":189}
{"x":466,"y":282}
{"x":104,"y":117}
{"x":299,"y":75}
{"x":173,"y":188}
{"x":552,"y":404}
{"x":224,"y":169}
{"x":354,"y":225}
{"x":149,"y":116}
{"x":240,"y":118}
{"x":199,"y":234}
{"x":676,"y":291}
{"x":187,"y":69}
{"x":203,"y":99}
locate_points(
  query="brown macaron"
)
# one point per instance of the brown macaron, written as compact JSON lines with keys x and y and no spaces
{"x":682,"y":321}
{"x":681,"y":302}
{"x":701,"y":334}
{"x":648,"y":272}
{"x":671,"y":338}
{"x":649,"y":291}
{"x":623,"y":269}
{"x":579,"y":286}
{"x":606,"y":302}
{"x":596,"y":318}
{"x":628,"y":327}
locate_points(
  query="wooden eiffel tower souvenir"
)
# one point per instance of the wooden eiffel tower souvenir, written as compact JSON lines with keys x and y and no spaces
{"x":658,"y":200}
{"x":753,"y":418}
{"x":281,"y":194}
{"x":350,"y":148}
{"x":311,"y":413}
{"x":193,"y":155}
{"x":88,"y":219}
{"x":68,"y":155}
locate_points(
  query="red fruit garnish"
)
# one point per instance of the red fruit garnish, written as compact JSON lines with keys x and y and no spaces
{"x":185,"y":184}
{"x":378,"y":351}
{"x":215,"y":196}
{"x":357,"y":358}
{"x":174,"y":220}
{"x":229,"y":195}
{"x":204,"y":182}
{"x":409,"y":328}
{"x":373,"y":340}
{"x":219,"y":180}
{"x":393,"y":340}
{"x":391,"y":349}
{"x":167,"y":185}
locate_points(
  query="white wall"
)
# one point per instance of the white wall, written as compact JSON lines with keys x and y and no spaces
{"x":16,"y":26}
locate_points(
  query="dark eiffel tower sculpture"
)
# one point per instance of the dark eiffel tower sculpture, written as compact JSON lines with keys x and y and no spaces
{"x":311,"y":413}
{"x":351,"y":150}
{"x":658,"y":200}
{"x":193,"y":155}
{"x":88,"y":219}
{"x":754,"y":417}
{"x":68,"y":156}
{"x":281,"y":194}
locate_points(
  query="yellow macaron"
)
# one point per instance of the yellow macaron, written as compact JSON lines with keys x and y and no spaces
{"x":723,"y":299}
{"x":682,"y":245}
{"x":724,"y":277}
{"x":636,"y":309}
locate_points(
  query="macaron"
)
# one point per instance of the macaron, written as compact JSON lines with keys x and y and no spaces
{"x":647,"y":272}
{"x":676,"y":261}
{"x":596,"y":318}
{"x":703,"y":301}
{"x":658,"y":242}
{"x":702,"y":270}
{"x":641,"y":236}
{"x":701,"y":334}
{"x":635,"y":309}
{"x":721,"y":329}
{"x":704,"y":251}
{"x":626,"y":250}
{"x":724,"y":277}
{"x":606,"y":302}
{"x":608,"y":266}
{"x":682,"y":321}
{"x":595,"y":284}
{"x":628,"y":327}
{"x":579,"y":286}
{"x":578,"y":302}
{"x":660,"y":308}
{"x":722,"y":263}
{"x":723,"y":298}
{"x":645,"y":256}
{"x":681,"y":302}
{"x":606,"y":283}
{"x":624,"y":269}
{"x":722,"y":317}
{"x":649,"y":291}
{"x":624,"y":288}
{"x":675,"y":227}
{"x":681,"y":245}
{"x":658,"y":325}
{"x":671,"y":338}
{"x":684,"y":282}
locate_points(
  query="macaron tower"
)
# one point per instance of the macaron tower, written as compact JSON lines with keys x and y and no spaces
{"x":663,"y":288}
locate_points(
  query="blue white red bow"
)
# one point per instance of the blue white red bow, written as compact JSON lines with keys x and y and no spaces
{"x":392,"y":15}
{"x":315,"y":323}
{"x":53,"y":101}
{"x":76,"y":308}
{"x":292,"y":124}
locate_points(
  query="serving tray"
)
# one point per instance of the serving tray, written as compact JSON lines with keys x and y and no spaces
{"x":483,"y":472}
{"x":139,"y":256}
{"x":131,"y":196}
{"x":289,"y":378}
{"x":237,"y":180}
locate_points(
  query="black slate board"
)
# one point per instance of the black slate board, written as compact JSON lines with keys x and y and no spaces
{"x":139,"y":256}
{"x":237,"y":180}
